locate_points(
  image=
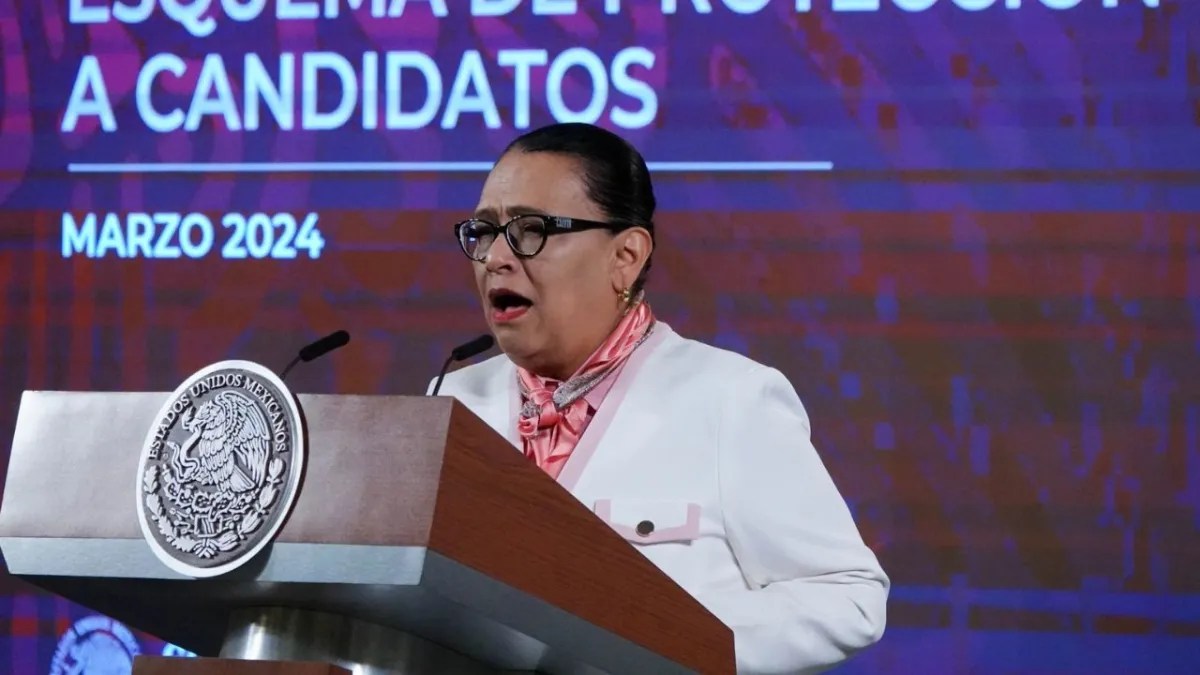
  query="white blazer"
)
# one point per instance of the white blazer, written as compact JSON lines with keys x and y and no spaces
{"x":713,"y":450}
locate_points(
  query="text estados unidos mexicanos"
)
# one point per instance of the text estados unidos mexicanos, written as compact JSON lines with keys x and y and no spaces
{"x":200,"y":17}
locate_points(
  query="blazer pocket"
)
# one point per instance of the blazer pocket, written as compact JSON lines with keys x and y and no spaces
{"x":650,"y":521}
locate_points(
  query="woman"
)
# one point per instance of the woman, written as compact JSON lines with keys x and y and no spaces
{"x":698,"y":456}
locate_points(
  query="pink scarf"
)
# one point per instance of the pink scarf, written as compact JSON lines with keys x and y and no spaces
{"x":555,"y":414}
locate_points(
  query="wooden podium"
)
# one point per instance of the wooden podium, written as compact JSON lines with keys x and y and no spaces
{"x":420,"y":542}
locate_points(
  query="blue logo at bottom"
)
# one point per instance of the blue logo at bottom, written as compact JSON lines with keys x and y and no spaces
{"x":95,"y":645}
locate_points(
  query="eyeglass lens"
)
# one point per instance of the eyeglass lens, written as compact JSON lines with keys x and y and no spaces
{"x":525,"y":235}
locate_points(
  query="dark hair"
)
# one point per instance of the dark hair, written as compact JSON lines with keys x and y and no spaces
{"x":614,"y":173}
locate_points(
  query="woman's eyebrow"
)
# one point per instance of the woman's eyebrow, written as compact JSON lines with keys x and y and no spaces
{"x":514,"y":210}
{"x":521,"y":210}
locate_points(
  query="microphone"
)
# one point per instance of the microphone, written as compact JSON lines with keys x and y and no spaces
{"x":463,"y":352}
{"x":318,"y":349}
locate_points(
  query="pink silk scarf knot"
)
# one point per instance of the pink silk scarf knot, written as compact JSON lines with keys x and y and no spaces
{"x":555,"y":414}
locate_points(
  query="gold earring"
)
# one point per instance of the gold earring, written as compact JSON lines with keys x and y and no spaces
{"x":627,"y":295}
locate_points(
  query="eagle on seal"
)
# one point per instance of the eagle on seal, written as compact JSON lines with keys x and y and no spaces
{"x":231,"y":440}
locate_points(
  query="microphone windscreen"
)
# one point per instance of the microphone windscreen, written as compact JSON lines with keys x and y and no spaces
{"x":477,"y":346}
{"x":324,"y":345}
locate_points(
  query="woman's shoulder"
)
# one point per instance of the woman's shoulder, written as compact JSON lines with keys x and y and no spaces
{"x":479,"y":379}
{"x":708,"y":360}
{"x":706,"y":374}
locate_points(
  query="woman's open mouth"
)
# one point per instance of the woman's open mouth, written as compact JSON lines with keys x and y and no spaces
{"x":507,"y":305}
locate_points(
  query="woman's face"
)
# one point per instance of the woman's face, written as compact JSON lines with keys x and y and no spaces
{"x":550,"y":312}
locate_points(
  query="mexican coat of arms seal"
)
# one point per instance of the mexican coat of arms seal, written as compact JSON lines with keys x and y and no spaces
{"x":220,"y":468}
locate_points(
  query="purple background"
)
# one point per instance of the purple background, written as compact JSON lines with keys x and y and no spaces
{"x":991,"y":306}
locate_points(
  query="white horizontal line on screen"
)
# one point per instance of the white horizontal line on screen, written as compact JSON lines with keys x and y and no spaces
{"x":414,"y":167}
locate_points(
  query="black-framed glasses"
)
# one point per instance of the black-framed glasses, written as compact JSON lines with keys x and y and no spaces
{"x":526,"y":234}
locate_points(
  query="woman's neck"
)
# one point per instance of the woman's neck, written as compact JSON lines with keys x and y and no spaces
{"x":563,"y":369}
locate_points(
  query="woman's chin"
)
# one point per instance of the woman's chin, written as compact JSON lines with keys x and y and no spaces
{"x":520,"y":348}
{"x":514,"y":342}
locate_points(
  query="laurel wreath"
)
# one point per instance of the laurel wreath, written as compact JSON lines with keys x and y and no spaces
{"x":209,"y":546}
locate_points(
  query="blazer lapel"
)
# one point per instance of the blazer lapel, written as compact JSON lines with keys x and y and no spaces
{"x":625,"y":417}
{"x":498,"y":406}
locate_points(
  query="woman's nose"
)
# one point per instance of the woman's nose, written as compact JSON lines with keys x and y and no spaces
{"x":500,"y":256}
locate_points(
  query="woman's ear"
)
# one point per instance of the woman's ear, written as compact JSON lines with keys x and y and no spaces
{"x":632,"y":249}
